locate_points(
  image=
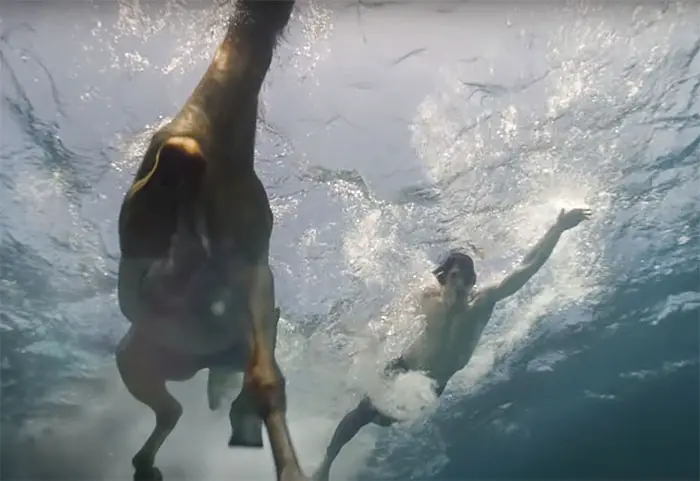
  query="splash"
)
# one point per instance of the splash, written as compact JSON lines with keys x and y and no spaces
{"x":139,"y":26}
{"x":506,"y":158}
{"x":315,"y":31}
{"x":516,"y":154}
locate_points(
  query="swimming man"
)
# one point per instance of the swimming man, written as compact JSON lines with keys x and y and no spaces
{"x":455,"y":315}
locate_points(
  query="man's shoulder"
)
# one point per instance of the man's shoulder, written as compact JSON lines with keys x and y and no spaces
{"x":483,"y":297}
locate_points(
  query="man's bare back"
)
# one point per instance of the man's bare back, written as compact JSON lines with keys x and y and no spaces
{"x":455,"y":315}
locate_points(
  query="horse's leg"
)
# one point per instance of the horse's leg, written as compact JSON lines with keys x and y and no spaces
{"x":265,"y":379}
{"x":246,"y":423}
{"x":143,"y":382}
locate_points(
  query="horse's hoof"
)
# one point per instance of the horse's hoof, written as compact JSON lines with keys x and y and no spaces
{"x":148,"y":474}
{"x":242,"y":439}
{"x":246,"y":431}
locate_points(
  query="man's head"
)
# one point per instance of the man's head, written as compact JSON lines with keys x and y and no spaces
{"x":456,"y":272}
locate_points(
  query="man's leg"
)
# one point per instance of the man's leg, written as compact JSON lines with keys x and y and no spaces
{"x":348,"y":427}
{"x":364,"y":414}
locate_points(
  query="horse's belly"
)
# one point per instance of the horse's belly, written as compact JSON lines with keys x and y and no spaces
{"x":194,"y":336}
{"x":196,"y":321}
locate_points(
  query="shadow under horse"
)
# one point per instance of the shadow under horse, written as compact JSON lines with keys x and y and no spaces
{"x":194,"y":232}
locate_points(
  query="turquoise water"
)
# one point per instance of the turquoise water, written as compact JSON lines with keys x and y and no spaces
{"x":389,"y":134}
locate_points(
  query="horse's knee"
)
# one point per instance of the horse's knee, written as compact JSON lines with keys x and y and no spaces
{"x":269,"y":393}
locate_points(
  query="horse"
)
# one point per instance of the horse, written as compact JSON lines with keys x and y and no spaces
{"x":195,"y":282}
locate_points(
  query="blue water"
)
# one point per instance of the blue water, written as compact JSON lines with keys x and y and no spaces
{"x":389,"y":134}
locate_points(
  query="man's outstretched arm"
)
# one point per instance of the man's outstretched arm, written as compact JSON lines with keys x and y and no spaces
{"x":537,"y":256}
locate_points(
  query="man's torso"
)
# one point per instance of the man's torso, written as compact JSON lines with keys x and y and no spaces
{"x":449,"y":337}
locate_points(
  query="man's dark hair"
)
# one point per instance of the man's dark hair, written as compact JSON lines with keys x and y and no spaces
{"x":463,"y":260}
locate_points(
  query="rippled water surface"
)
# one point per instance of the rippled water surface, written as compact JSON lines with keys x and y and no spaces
{"x":388,"y":134}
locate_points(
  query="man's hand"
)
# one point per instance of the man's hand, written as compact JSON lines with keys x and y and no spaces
{"x":537,"y":256}
{"x":568,"y":219}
